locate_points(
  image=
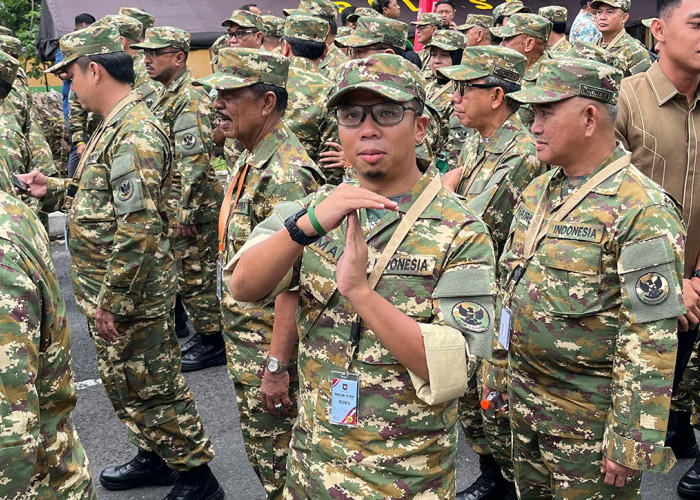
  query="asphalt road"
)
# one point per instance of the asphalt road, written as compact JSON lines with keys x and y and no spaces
{"x":105,"y":442}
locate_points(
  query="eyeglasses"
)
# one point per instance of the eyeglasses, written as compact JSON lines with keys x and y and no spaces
{"x":239,"y":34}
{"x":151,"y":53}
{"x":463,"y":86}
{"x":384,"y":114}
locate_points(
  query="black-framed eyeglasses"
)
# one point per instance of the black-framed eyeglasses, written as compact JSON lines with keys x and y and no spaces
{"x":239,"y":34}
{"x":462,"y":86}
{"x":384,"y":114}
{"x":155,"y":52}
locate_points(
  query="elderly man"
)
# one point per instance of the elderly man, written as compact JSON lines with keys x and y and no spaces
{"x":590,"y":284}
{"x":250,"y":106}
{"x":476,"y":29}
{"x":426,"y":26}
{"x":611,"y":16}
{"x":383,"y":360}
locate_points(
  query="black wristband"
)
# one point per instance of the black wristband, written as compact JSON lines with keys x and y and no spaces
{"x":296,"y":234}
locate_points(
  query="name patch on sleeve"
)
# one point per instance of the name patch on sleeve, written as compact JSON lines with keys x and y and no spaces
{"x":581,"y":232}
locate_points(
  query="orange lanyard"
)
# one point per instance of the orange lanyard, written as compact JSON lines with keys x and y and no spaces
{"x":225,"y":211}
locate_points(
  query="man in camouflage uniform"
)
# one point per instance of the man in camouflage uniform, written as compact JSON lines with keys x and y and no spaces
{"x":528,"y":34}
{"x":426,"y":26}
{"x":590,"y":287}
{"x":273,"y":31}
{"x":306,"y":115}
{"x":400,"y":438}
{"x":123,"y":269}
{"x":495,"y":166}
{"x":476,"y":29}
{"x":250,"y":106}
{"x":610,"y":20}
{"x":502,"y":12}
{"x":195,"y":193}
{"x":17,"y":111}
{"x":15,"y":156}
{"x":131,"y":32}
{"x":557,"y":37}
{"x":42,"y":456}
{"x":446,"y":49}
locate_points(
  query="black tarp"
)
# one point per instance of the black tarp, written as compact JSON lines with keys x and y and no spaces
{"x":202,"y":18}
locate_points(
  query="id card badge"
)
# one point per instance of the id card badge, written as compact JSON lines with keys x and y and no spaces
{"x":219,"y":280}
{"x":504,"y":327}
{"x":345,"y":396}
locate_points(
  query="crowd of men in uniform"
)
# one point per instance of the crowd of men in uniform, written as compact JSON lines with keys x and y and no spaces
{"x":497,"y":231}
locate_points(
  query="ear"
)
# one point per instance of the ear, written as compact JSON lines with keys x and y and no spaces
{"x":420,"y":128}
{"x":479,"y":36}
{"x":180,"y":58}
{"x":325,"y":52}
{"x":94,"y":72}
{"x":529,"y":44}
{"x":122,"y":39}
{"x":658,"y":29}
{"x":286,"y":49}
{"x":498,"y":98}
{"x":259,"y":38}
{"x":625,"y":17}
{"x":269,"y":100}
{"x":591,"y":118}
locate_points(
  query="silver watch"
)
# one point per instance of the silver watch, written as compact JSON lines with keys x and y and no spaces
{"x":274,"y":365}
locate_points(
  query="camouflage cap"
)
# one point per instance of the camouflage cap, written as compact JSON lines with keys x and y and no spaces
{"x":273,"y":26}
{"x":476,"y":20}
{"x":128,"y":27}
{"x":320,"y":8}
{"x":160,"y":37}
{"x":6,"y":31}
{"x":620,"y":4}
{"x":388,"y":75}
{"x":8,"y":68}
{"x":90,"y":41}
{"x":362,"y":12}
{"x":490,"y":60}
{"x":11,"y":45}
{"x":563,"y":78}
{"x":245,"y":19}
{"x":525,"y":24}
{"x":585,"y":50}
{"x":371,"y":30}
{"x":448,"y":40}
{"x":305,"y":27}
{"x":242,"y":67}
{"x":148,"y":20}
{"x":555,"y":13}
{"x":344,"y":31}
{"x":509,"y":8}
{"x":429,"y":18}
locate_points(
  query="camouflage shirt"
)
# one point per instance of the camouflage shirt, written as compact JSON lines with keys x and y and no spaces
{"x":117,"y":220}
{"x":333,"y":60}
{"x":495,"y":172}
{"x":41,"y":455}
{"x":453,"y":134}
{"x":561,"y":45}
{"x":593,"y":340}
{"x":306,"y":115}
{"x":185,"y":111}
{"x":144,"y":84}
{"x":278,"y":170}
{"x":526,"y":113}
{"x":634,"y":57}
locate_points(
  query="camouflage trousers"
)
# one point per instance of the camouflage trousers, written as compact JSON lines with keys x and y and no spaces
{"x":141,"y":375}
{"x":195,"y":261}
{"x":266,"y":437}
{"x":486,"y":434}
{"x":548,"y":466}
{"x":686,"y":396}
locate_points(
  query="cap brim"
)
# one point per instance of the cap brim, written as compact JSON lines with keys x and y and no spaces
{"x":149,"y":45}
{"x":222,"y":81}
{"x":394,"y":94}
{"x":465,"y":27}
{"x":461,"y":73}
{"x":60,"y":66}
{"x":442,"y":46}
{"x":503,"y":31}
{"x":354,"y":41}
{"x":535,"y":95}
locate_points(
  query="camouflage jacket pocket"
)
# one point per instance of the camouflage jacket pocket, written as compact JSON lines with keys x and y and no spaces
{"x":93,"y":202}
{"x":571,"y":277}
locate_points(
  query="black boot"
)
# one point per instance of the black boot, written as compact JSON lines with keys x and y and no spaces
{"x":145,"y":469}
{"x":196,"y":484}
{"x":689,"y":485}
{"x":210,"y":350}
{"x":681,"y":435}
{"x":181,"y":317}
{"x":490,"y":485}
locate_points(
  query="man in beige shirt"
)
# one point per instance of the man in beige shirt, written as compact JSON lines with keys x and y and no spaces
{"x":657,"y":122}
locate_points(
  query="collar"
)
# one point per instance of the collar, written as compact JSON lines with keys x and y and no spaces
{"x":263,"y":151}
{"x":614,"y":41}
{"x":303,"y":63}
{"x":504,"y":135}
{"x":609,"y":186}
{"x":184,"y":77}
{"x":125,"y":108}
{"x":662,"y":87}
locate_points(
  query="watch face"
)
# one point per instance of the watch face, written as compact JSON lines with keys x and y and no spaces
{"x":273,"y":365}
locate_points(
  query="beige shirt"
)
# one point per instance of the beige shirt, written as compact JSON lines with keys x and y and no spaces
{"x":656,"y":124}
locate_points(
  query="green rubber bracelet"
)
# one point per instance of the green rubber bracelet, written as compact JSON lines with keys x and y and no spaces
{"x":314,"y":222}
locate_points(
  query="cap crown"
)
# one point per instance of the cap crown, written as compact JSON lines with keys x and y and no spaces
{"x":128,"y":27}
{"x":241,"y":67}
{"x":273,"y":26}
{"x":585,"y":50}
{"x":11,"y":45}
{"x":477,"y":20}
{"x":490,"y":60}
{"x":526,"y":24}
{"x":509,"y":8}
{"x":448,"y":40}
{"x":555,"y":13}
{"x":148,"y":20}
{"x":371,"y":30}
{"x":8,"y":68}
{"x":160,"y":37}
{"x":625,"y":5}
{"x":321,"y":8}
{"x":363,"y":12}
{"x":305,"y":27}
{"x":90,"y":41}
{"x":429,"y":18}
{"x":245,"y":19}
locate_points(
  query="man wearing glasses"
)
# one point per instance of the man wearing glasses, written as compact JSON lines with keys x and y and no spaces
{"x":195,"y":194}
{"x":495,"y":166}
{"x":426,"y":26}
{"x":380,"y":371}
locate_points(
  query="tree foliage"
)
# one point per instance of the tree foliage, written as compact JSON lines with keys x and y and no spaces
{"x":22,"y":17}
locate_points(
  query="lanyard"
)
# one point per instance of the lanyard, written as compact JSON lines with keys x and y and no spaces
{"x":418,"y":207}
{"x":94,"y":139}
{"x":225,"y":211}
{"x":539,"y":226}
